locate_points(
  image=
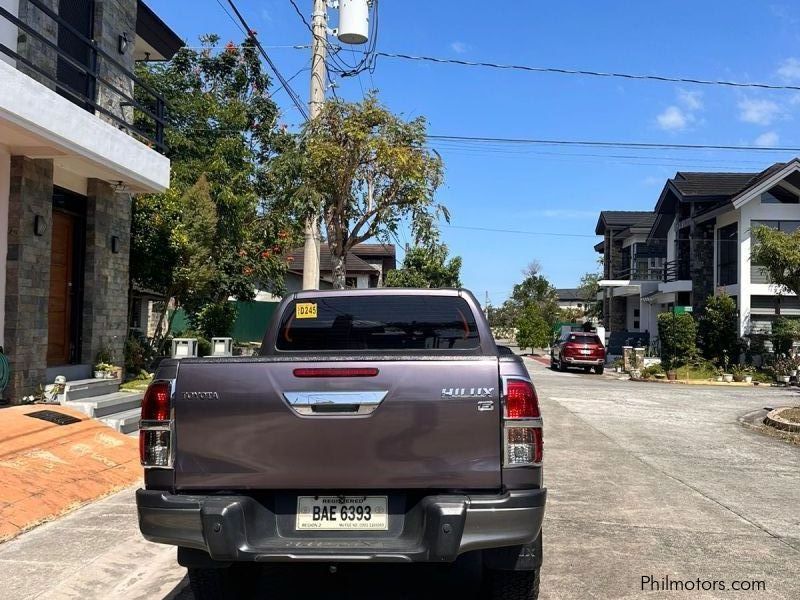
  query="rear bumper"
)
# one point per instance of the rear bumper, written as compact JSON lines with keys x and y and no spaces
{"x":435,"y":529}
{"x":584,"y":362}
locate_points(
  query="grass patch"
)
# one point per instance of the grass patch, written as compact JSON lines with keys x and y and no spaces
{"x":696,"y":372}
{"x":136,"y":385}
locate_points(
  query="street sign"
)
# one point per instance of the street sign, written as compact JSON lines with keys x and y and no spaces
{"x":679,"y":310}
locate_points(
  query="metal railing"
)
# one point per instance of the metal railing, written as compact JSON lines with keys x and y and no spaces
{"x":676,"y":270}
{"x":153,"y":113}
{"x":639,"y":273}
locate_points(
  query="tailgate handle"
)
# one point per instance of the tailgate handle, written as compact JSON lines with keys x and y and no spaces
{"x":334,"y":403}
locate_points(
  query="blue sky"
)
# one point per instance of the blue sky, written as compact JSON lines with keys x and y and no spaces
{"x":545,"y":189}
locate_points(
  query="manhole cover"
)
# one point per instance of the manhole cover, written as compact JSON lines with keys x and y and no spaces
{"x":52,"y":416}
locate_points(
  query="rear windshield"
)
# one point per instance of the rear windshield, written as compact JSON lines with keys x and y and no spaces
{"x":583,"y":338}
{"x":387,"y":323}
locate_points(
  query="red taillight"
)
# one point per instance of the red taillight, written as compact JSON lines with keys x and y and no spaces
{"x":336,"y":372}
{"x":522,"y":425}
{"x":156,"y":402}
{"x":155,"y":435}
{"x":521,"y":400}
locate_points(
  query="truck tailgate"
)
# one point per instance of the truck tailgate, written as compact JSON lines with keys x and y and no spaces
{"x":434,"y":424}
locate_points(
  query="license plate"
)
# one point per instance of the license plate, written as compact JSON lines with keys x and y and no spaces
{"x":584,"y":352}
{"x":353,"y":513}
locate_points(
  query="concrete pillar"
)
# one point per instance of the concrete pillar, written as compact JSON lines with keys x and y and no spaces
{"x":702,"y":264}
{"x":34,"y":50}
{"x":112,"y":19}
{"x":105,"y":304}
{"x":28,"y":274}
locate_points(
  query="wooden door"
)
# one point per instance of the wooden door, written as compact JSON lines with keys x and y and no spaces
{"x":61,"y":288}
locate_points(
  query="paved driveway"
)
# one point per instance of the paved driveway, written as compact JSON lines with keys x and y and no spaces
{"x":661,"y":480}
{"x":645,"y":480}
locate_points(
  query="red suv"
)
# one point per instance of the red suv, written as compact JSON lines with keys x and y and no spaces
{"x":578,"y":349}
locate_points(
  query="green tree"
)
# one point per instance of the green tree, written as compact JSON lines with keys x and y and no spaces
{"x":785,"y":332}
{"x":365,"y":170}
{"x":427,"y":266}
{"x":533,"y":330}
{"x":534,"y":289}
{"x":718,"y":331}
{"x":778,"y":256}
{"x":221,"y":124}
{"x":588,"y":288}
{"x":678,"y":336}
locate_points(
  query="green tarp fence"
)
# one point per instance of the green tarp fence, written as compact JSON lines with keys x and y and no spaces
{"x":252,"y":319}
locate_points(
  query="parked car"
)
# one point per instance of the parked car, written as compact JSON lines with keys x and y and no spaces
{"x":578,"y":349}
{"x":377,"y":425}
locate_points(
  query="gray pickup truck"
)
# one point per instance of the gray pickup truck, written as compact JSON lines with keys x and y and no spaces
{"x":378,"y":425}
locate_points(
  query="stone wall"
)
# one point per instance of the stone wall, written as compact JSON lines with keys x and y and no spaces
{"x":105,"y":299}
{"x":113,"y":18}
{"x":28,"y":274}
{"x":33,"y":49}
{"x":702,"y":264}
{"x":618,"y":310}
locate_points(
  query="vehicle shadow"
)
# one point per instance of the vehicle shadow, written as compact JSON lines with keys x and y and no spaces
{"x":360,"y":582}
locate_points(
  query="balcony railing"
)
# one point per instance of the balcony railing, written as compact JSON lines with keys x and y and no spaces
{"x":639,"y":273}
{"x":84,"y":80}
{"x":675,"y":270}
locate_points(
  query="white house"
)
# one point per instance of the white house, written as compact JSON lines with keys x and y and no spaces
{"x":704,"y":221}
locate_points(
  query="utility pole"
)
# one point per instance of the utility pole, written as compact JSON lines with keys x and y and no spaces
{"x":319,"y":26}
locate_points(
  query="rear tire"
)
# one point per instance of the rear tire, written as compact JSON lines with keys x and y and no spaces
{"x":587,"y":369}
{"x":511,"y":585}
{"x":599,"y":370}
{"x":227,"y":583}
{"x":561,"y":366}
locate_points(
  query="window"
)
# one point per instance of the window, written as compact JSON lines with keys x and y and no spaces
{"x":399,"y":323}
{"x":756,"y":274}
{"x":779,"y":195}
{"x":727,"y":254}
{"x":351,"y":283}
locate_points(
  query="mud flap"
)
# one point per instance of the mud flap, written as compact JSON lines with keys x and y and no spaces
{"x":515,"y":558}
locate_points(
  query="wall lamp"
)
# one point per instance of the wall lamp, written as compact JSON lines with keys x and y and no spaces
{"x":114,"y":244}
{"x":39,"y":225}
{"x":124,"y":42}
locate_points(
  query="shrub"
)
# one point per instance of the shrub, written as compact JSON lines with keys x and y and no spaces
{"x":717,"y":331}
{"x":214,"y":319}
{"x":137,"y":355}
{"x":678,"y":335}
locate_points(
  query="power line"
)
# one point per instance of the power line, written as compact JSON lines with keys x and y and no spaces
{"x":249,"y":31}
{"x":576,"y":235}
{"x":585,"y":72}
{"x":609,"y":144}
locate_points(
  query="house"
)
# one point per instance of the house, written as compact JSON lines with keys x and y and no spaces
{"x":365,"y":267}
{"x":71,"y":156}
{"x":570,"y":299}
{"x":697,"y":244}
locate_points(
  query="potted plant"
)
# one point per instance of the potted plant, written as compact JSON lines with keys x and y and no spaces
{"x":782,"y":368}
{"x":103,"y":370}
{"x":672,"y":375}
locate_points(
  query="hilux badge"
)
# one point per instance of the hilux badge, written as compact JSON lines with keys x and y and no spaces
{"x":474,"y":392}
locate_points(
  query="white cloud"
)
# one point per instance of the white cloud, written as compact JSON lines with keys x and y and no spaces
{"x":691,"y":100}
{"x":459,"y":47}
{"x":767,"y":139}
{"x":760,"y":112}
{"x":790,"y":69}
{"x":673,"y":119}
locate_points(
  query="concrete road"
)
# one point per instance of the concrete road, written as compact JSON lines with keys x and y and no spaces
{"x":645,"y":480}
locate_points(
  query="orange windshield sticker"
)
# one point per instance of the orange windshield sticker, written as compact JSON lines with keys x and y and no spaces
{"x":305,"y":310}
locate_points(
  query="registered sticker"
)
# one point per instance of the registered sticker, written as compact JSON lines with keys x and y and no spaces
{"x":305,"y":310}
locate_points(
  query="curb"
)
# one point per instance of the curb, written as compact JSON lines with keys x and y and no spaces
{"x":773,"y":419}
